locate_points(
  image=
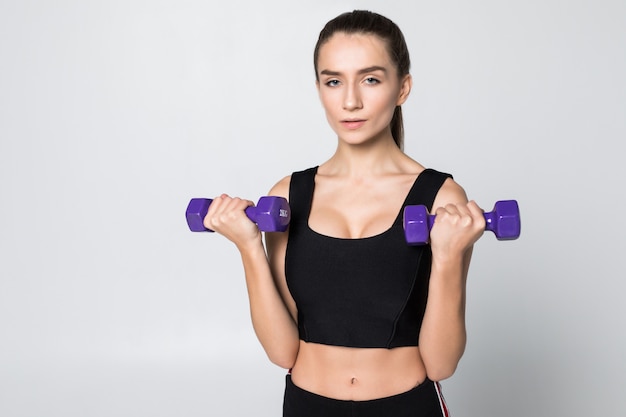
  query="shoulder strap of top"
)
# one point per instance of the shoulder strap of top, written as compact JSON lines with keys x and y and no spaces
{"x":301,"y":190}
{"x":426,"y":187}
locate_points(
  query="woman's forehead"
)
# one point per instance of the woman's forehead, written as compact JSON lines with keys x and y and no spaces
{"x":352,"y":51}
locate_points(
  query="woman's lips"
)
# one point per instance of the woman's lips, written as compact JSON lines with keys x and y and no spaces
{"x":353,"y":124}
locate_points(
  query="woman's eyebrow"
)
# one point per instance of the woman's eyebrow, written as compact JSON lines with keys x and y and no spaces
{"x":373,"y":68}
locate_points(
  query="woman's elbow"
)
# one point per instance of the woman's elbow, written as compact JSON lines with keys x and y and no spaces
{"x":441,"y":367}
{"x":439,"y":373}
{"x":285,"y":358}
{"x":283,"y":362}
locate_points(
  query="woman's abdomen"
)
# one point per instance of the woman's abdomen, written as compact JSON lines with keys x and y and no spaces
{"x":357,"y":374}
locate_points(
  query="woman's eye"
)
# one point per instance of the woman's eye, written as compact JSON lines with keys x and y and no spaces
{"x":371,"y":80}
{"x":332,"y":83}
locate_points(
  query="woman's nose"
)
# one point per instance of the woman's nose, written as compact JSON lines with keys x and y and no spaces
{"x":352,"y":99}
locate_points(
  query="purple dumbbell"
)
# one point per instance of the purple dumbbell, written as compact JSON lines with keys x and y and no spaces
{"x":504,"y":221}
{"x":271,"y":214}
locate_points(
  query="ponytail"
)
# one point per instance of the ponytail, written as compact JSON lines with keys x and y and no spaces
{"x":397,"y":127}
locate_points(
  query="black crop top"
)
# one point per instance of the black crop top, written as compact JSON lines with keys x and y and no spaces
{"x":369,"y":292}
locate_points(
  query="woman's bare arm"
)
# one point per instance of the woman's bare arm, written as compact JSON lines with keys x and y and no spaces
{"x":271,"y":308}
{"x":458,"y":225}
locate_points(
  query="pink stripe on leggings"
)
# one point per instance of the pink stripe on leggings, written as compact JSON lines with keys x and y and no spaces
{"x":442,"y":401}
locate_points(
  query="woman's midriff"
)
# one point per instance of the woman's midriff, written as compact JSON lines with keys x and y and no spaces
{"x":357,"y":374}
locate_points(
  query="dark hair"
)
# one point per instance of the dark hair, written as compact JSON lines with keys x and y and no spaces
{"x":366,"y":22}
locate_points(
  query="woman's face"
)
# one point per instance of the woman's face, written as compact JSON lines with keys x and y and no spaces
{"x":359,"y":86}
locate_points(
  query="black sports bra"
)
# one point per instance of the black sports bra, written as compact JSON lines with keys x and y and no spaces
{"x":369,"y":292}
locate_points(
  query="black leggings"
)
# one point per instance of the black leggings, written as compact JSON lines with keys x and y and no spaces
{"x":425,"y":400}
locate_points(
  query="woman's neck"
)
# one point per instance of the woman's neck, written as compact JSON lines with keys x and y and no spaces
{"x":369,"y":159}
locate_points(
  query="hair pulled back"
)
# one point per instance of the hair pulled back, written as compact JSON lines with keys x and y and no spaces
{"x":370,"y":23}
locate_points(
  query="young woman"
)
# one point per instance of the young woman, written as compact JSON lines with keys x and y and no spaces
{"x":365,"y":323}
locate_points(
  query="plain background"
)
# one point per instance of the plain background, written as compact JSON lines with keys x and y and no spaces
{"x":113,"y":114}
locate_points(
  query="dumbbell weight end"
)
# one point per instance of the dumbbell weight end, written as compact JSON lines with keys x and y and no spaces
{"x":504,"y":220}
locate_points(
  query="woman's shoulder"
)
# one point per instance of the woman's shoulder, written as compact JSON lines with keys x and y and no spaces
{"x":451,"y":192}
{"x":281,"y":188}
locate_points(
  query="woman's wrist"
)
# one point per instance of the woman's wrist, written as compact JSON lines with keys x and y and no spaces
{"x":252,"y":247}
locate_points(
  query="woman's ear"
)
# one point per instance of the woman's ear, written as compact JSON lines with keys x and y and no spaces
{"x":405,"y":89}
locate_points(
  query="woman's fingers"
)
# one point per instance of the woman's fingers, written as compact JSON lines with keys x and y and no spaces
{"x":226,"y":215}
{"x":458,"y":225}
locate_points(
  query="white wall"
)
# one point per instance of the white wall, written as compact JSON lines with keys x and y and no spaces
{"x":114,"y":113}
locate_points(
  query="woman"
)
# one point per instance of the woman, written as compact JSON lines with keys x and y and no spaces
{"x":365,"y":323}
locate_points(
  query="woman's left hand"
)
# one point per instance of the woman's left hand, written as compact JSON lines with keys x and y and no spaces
{"x":457,"y":227}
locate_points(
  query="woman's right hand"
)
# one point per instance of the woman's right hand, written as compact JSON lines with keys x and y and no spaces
{"x":226,"y":216}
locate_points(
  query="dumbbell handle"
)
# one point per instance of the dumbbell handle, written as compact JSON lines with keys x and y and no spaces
{"x":491,"y":219}
{"x":503,"y":221}
{"x":271,"y":214}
